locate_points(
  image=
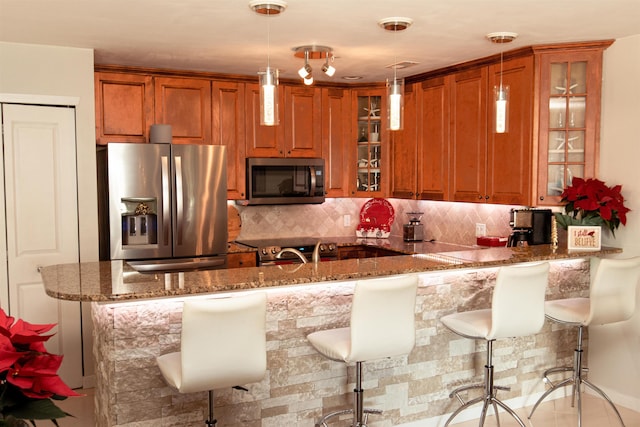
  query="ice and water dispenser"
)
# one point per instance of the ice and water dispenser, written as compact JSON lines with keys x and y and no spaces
{"x":139,"y":221}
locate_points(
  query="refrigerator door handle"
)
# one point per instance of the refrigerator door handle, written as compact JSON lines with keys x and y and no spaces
{"x":166,"y":197}
{"x":179,"y":199}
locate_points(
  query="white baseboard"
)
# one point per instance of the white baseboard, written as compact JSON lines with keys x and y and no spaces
{"x":474,"y":412}
{"x":629,"y":402}
{"x":89,"y":381}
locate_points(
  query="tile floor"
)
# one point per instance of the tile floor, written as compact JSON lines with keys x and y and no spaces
{"x":553,"y":413}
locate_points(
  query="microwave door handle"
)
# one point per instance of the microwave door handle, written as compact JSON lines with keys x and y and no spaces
{"x":179,"y":199}
{"x":312,"y":190}
{"x":166,"y":213}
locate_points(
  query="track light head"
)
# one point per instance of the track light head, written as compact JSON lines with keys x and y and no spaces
{"x":328,"y":70}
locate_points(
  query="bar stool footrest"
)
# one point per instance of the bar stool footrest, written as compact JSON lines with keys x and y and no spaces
{"x":323,"y":421}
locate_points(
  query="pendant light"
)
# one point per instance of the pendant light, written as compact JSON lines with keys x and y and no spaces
{"x":268,"y":77}
{"x":501,"y":92}
{"x":395,"y":87}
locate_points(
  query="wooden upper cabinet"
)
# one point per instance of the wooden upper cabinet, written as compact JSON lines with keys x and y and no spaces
{"x":569,"y":120}
{"x":302,"y":121}
{"x":336,"y":132}
{"x":124,"y":107}
{"x":370,"y":143}
{"x":404,"y":149}
{"x":228,"y":127}
{"x":433,"y":139}
{"x":262,"y":141}
{"x":468,"y":142}
{"x":510,"y":154}
{"x":185,"y":104}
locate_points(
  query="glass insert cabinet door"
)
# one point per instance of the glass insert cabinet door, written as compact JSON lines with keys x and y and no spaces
{"x":369,"y":143}
{"x":569,"y":114}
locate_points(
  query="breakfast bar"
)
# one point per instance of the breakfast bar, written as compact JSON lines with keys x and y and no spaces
{"x":137,"y":318}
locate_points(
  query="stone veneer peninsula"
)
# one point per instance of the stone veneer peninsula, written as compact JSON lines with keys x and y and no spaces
{"x":138,"y":316}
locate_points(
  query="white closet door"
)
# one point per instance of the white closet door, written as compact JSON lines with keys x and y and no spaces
{"x":42,"y":221}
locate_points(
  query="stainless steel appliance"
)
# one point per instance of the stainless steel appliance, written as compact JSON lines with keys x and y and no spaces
{"x":414,"y":231}
{"x":163,"y":206}
{"x":268,"y":250}
{"x":530,"y":227}
{"x":284,"y":181}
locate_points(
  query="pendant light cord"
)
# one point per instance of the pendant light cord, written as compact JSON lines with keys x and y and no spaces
{"x":501,"y":52}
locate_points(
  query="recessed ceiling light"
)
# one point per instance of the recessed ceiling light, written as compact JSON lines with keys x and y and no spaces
{"x":395,"y":23}
{"x":402,"y":64}
{"x":352,"y":77}
{"x":268,"y":7}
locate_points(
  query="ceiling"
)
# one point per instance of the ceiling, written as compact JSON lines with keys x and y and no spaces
{"x":226,"y":36}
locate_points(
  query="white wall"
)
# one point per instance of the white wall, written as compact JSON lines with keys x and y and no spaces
{"x":613,"y":349}
{"x":61,"y":71}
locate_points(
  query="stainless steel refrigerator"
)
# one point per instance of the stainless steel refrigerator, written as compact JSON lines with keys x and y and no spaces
{"x":163,"y":206}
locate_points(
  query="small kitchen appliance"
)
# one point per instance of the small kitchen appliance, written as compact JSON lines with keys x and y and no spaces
{"x":530,"y":227}
{"x":414,"y":231}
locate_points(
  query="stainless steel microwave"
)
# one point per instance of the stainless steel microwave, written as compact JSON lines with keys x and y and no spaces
{"x":284,"y":181}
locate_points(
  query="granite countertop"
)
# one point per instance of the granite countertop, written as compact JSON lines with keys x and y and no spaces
{"x":116,"y":281}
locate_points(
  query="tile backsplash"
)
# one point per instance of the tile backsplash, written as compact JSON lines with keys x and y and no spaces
{"x":451,"y":222}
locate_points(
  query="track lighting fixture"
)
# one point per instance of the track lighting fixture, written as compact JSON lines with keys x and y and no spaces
{"x":314,"y":52}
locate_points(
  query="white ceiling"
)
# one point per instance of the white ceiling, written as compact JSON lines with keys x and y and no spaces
{"x":226,"y":36}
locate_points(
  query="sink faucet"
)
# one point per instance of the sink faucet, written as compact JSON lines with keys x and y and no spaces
{"x":293,"y":251}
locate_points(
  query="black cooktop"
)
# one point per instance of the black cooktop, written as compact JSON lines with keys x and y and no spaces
{"x":283,"y":242}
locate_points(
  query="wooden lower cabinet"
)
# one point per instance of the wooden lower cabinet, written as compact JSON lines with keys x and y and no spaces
{"x":364,"y":251}
{"x":242,"y":259}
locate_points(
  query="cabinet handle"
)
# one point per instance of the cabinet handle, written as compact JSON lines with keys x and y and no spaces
{"x":541,"y":197}
{"x":486,"y":197}
{"x":479,"y":197}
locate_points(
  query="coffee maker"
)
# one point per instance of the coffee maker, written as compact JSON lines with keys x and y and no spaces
{"x":414,"y":231}
{"x":530,"y":227}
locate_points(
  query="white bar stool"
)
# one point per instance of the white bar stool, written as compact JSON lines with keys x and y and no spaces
{"x":517,"y":309}
{"x":382,"y":326}
{"x":612,"y":298}
{"x":223,"y":344}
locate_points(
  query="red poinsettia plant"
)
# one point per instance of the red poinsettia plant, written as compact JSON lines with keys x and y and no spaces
{"x":591,"y":202}
{"x":28,"y":374}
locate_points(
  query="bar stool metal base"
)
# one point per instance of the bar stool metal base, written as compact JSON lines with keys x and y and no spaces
{"x":360,"y":414}
{"x":576,"y":381}
{"x":488,"y":397}
{"x":211,"y":422}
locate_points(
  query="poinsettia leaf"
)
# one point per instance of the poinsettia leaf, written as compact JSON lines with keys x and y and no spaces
{"x":36,"y":409}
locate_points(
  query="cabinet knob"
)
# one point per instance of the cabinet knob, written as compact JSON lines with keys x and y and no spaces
{"x":541,"y":197}
{"x":486,"y":197}
{"x":479,"y":197}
